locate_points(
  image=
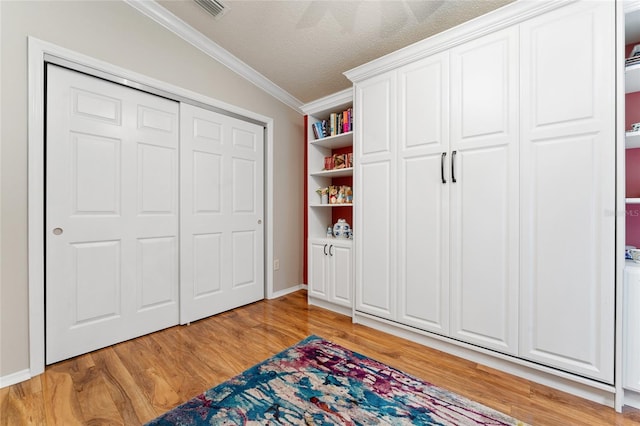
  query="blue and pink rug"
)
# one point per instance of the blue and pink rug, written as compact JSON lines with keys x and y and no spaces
{"x":316,"y":382}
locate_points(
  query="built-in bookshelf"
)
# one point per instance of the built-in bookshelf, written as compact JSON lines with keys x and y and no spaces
{"x":329,"y":162}
{"x":329,"y":193}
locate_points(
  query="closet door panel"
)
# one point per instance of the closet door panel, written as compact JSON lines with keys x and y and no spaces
{"x":568,"y":190}
{"x":484,"y":191}
{"x":221,"y":247}
{"x":111,"y":213}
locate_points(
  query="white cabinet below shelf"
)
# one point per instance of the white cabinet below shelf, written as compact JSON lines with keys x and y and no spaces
{"x":331,"y":273}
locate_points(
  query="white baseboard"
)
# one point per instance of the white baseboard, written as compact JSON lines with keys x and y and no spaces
{"x":286,"y":291}
{"x":330,"y":306}
{"x":13,"y":378}
{"x":632,"y":399}
{"x":585,"y":388}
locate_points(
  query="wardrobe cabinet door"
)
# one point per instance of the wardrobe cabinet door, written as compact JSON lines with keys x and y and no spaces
{"x":484,"y":191}
{"x":375,"y":185}
{"x":568,"y":189}
{"x":423,"y":207}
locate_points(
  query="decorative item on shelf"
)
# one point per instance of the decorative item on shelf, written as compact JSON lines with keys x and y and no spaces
{"x":635,"y":127}
{"x":349,"y":195}
{"x":341,"y":229}
{"x":329,"y":232}
{"x":339,"y":161}
{"x":340,"y":194}
{"x":627,"y":252}
{"x":635,"y":253}
{"x":328,"y":163}
{"x":324,"y":195}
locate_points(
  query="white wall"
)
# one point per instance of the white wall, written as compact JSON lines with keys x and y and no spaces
{"x":114,"y":32}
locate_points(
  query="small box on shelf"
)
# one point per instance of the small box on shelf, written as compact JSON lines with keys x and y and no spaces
{"x":338,"y":161}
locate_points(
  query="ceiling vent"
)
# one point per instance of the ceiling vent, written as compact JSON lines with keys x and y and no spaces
{"x":215,"y":7}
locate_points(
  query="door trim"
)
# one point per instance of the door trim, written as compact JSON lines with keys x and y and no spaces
{"x":38,"y":51}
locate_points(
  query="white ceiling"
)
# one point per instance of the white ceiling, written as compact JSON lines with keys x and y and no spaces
{"x":304,"y":46}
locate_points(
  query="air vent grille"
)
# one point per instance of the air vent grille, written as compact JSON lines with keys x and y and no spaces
{"x":215,"y":7}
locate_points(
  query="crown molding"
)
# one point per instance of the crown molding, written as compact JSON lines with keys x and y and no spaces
{"x":498,"y":19}
{"x":162,"y":16}
{"x":330,"y":102}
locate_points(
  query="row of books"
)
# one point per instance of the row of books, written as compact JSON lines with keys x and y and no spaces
{"x":338,"y":123}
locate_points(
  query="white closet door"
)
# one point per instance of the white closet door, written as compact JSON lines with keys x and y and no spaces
{"x":424,"y":181}
{"x":222,"y":237}
{"x":568,"y":189}
{"x":112,"y":214}
{"x":484,"y":193}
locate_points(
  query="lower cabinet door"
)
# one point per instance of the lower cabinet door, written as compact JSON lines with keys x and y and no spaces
{"x":318,"y":265}
{"x":341,"y":273}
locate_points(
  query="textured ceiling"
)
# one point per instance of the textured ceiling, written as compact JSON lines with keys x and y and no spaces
{"x":305,"y":46}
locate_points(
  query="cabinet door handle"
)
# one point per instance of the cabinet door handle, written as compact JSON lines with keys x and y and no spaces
{"x":453,"y":166}
{"x":330,"y":252}
{"x":325,"y":249}
{"x":444,"y":155}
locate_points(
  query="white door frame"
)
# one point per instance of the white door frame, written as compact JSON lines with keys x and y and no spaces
{"x":38,"y":50}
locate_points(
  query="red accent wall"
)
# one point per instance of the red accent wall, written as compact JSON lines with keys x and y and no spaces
{"x":632,"y":212}
{"x":305,"y":231}
{"x":632,"y":115}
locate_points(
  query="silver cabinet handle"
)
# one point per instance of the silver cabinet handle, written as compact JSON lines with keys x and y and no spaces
{"x":325,"y":249}
{"x":453,"y":166}
{"x":330,"y":252}
{"x":444,"y":155}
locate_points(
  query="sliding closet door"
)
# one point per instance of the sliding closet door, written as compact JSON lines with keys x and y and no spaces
{"x":112,"y":213}
{"x":222,"y":237}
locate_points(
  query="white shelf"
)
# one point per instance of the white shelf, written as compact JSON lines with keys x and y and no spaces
{"x":334,"y":173}
{"x":338,"y":141}
{"x":331,"y":205}
{"x":632,"y":140}
{"x":632,"y":200}
{"x":632,"y":79}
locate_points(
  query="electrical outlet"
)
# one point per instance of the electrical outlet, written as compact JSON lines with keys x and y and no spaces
{"x":276,"y":264}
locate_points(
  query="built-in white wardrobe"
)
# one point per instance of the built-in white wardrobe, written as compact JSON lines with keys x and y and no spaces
{"x":485,"y":173}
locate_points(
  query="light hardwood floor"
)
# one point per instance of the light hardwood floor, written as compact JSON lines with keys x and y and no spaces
{"x":135,"y":381}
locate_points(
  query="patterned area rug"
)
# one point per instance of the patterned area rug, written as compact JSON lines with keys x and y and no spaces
{"x":317,"y":382}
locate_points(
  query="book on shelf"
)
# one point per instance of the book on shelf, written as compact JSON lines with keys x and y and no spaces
{"x":337,"y":124}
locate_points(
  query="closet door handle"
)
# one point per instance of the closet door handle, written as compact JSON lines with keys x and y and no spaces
{"x":325,"y":249}
{"x":330,"y":252}
{"x":444,"y":155}
{"x":453,"y":166}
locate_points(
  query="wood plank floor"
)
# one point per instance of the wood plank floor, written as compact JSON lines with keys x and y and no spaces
{"x":135,"y":381}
